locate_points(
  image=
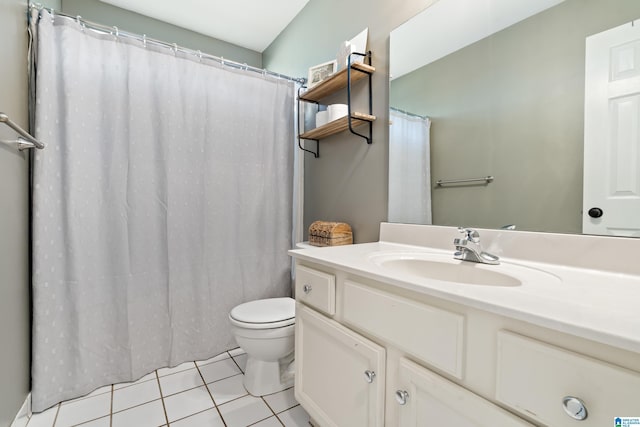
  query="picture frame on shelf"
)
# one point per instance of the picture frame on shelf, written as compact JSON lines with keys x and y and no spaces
{"x":319,"y":72}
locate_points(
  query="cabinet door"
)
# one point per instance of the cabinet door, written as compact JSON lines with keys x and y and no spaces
{"x":339,"y":374}
{"x":432,"y":401}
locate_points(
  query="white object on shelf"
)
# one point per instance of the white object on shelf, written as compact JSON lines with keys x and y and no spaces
{"x":322,"y":118}
{"x":337,"y":111}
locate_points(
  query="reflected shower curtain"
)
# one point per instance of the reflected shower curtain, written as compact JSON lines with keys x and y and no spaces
{"x":409,"y":169}
{"x":163,"y":199}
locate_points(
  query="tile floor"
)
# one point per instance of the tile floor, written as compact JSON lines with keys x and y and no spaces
{"x":194,"y":394}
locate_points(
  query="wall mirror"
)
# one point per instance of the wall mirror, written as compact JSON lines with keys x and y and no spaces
{"x":539,"y":100}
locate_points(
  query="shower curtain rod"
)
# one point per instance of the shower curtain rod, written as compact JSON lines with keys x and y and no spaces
{"x":105,"y":29}
{"x":408,"y":113}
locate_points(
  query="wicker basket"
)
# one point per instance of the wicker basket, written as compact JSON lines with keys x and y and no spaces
{"x":324,"y":233}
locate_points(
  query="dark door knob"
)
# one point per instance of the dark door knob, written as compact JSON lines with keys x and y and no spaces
{"x":595,"y":212}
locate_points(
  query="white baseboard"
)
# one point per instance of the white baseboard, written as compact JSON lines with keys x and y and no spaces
{"x":24,"y":414}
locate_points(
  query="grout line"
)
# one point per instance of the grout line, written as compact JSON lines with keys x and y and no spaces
{"x":215,"y":405}
{"x":134,"y":406}
{"x":237,"y":364}
{"x":111,"y":409}
{"x":55,"y":419}
{"x":235,"y":398}
{"x":274,"y":412}
{"x":268,"y":406}
{"x":176,"y":372}
{"x":164,"y":408}
{"x":259,"y":421}
{"x":191,"y":415}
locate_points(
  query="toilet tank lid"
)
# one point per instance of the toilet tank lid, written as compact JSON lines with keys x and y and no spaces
{"x":265,"y":310}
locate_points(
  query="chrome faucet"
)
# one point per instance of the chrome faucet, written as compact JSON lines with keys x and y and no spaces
{"x":468,"y":248}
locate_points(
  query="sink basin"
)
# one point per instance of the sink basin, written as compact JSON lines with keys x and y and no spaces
{"x":445,"y":268}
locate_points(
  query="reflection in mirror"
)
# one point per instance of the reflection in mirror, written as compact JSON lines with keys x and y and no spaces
{"x":506,"y":98}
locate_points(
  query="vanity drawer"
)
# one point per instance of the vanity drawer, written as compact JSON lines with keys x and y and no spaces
{"x":316,"y":289}
{"x":432,"y":335}
{"x":534,"y":378}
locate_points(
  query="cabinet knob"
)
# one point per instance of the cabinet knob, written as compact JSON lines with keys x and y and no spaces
{"x":306,"y":289}
{"x":369,"y":376}
{"x":574,"y":407}
{"x":402,"y":396}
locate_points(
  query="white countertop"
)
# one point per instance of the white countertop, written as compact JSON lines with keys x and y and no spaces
{"x":598,"y":305}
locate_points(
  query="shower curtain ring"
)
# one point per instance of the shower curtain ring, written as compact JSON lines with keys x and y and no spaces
{"x":175,"y":48}
{"x":200,"y":55}
{"x":79,"y":22}
{"x":117,"y":34}
{"x":144,"y":40}
{"x":53,"y":16}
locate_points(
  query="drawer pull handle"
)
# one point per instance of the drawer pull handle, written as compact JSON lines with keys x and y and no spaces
{"x":306,"y":289}
{"x":402,"y":396}
{"x":369,"y":376}
{"x":574,"y":407}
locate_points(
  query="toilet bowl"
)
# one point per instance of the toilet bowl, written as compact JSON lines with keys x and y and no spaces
{"x":264,"y":329}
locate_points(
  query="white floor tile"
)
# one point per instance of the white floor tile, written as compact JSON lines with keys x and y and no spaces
{"x":269,"y":422}
{"x":281,"y":401}
{"x":219,"y":370}
{"x":182,"y":367}
{"x":187,"y":403}
{"x":137,"y":394}
{"x":227,"y":389}
{"x":208,"y":418}
{"x":244,"y":411}
{"x":241,"y":360}
{"x":236,"y":351}
{"x":44,"y":419}
{"x":101,"y":390}
{"x":20,"y":422}
{"x":83,"y":410}
{"x":295,"y":417}
{"x":148,"y":377}
{"x":217,"y":358}
{"x":181,"y":381}
{"x":100,"y":422}
{"x":148,"y":415}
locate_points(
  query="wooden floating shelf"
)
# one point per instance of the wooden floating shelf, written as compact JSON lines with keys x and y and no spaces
{"x":337,"y":81}
{"x":336,"y":126}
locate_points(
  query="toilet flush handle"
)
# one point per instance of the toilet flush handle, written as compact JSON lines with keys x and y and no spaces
{"x":306,"y":289}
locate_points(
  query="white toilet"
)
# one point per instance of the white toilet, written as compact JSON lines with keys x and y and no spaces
{"x":264,"y":329}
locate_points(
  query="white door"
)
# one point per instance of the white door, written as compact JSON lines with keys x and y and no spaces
{"x":611,"y":202}
{"x":340,"y":375}
{"x":428,"y":400}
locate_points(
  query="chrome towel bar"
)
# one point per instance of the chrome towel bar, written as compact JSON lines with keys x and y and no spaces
{"x":485,"y":179}
{"x":25,"y":140}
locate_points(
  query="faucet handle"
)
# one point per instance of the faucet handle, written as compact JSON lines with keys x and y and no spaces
{"x":470,"y":234}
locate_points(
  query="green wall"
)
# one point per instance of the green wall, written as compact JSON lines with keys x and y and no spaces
{"x":512,"y":106}
{"x":349,"y":180}
{"x":15,"y":337}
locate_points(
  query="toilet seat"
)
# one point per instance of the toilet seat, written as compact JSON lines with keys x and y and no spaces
{"x":264,"y":314}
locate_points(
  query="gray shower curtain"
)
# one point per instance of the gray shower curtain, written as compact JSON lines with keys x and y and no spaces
{"x":163,"y":199}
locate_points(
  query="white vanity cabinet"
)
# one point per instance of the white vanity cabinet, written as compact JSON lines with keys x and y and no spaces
{"x":339,"y":374}
{"x":370,"y":353}
{"x":537,"y":378}
{"x":427,"y":399}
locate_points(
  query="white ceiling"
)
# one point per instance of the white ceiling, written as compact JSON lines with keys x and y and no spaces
{"x":253,"y":24}
{"x":450,"y":25}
